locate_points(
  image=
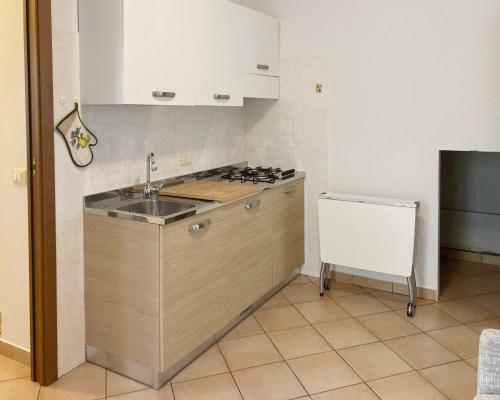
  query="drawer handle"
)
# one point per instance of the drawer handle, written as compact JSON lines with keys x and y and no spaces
{"x":290,"y":190}
{"x":251,"y":205}
{"x":158,"y":94}
{"x":222,"y":96}
{"x":263,"y":67}
{"x":199,"y":226}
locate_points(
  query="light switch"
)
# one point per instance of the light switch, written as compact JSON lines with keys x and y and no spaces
{"x":20,"y":176}
{"x":185,"y":159}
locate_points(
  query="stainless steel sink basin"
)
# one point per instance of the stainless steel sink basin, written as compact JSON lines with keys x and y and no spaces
{"x":159,"y":207}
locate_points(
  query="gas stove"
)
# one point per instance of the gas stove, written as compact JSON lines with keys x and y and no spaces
{"x":257,"y":175}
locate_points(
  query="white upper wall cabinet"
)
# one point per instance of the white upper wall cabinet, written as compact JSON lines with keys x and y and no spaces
{"x":260,"y":43}
{"x":176,"y":52}
{"x":218,"y":53}
{"x":136,"y":52}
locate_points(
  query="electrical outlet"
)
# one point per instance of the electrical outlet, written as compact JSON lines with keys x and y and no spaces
{"x":184,"y":159}
{"x":20,"y":176}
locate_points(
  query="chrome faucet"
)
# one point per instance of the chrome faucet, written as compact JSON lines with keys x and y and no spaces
{"x":151,"y":167}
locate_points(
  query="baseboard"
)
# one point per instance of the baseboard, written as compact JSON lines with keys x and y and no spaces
{"x":463,"y":255}
{"x":15,"y":353}
{"x":375,"y":284}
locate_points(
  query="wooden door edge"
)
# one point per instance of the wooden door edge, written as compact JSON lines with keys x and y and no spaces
{"x":41,"y":191}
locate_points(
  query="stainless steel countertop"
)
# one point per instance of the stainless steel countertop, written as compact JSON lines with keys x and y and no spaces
{"x":107,"y":203}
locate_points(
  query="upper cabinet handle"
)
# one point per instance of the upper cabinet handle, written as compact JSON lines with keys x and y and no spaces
{"x":251,"y":205}
{"x":199,"y":226}
{"x":162,"y":95}
{"x":222,"y":96}
{"x":263,"y":67}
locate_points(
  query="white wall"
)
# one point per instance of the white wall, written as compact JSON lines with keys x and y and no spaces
{"x":406,"y":80}
{"x":14,"y":261}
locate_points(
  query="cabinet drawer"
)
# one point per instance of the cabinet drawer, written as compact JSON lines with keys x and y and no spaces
{"x":288,"y":230}
{"x":193,"y":283}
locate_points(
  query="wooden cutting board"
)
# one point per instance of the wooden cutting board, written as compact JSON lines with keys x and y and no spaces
{"x":212,"y":191}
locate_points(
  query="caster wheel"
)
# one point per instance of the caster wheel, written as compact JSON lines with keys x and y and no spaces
{"x":328,"y":284}
{"x":410,"y":310}
{"x":321,"y":294}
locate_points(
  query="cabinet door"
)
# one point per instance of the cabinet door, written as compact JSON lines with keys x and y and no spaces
{"x":218,"y":53}
{"x":288,"y":230}
{"x":193,"y":283}
{"x":250,"y":254}
{"x":260,"y":43}
{"x":158,"y":44}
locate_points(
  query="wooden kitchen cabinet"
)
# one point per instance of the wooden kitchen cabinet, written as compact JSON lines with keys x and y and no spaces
{"x":249,"y":251}
{"x":193,"y":283}
{"x":137,"y":52}
{"x":288,"y":230}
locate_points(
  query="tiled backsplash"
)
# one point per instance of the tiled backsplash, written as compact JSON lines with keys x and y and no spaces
{"x":290,"y":132}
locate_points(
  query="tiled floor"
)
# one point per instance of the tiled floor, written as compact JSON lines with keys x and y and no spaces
{"x":354,"y":343}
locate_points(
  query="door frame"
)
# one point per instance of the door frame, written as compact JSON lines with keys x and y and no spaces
{"x":41,"y":191}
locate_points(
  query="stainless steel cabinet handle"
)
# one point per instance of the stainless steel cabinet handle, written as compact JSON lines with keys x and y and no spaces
{"x":163,"y":95}
{"x":289,"y":190}
{"x":251,"y":205}
{"x":199,"y":226}
{"x":222,"y":96}
{"x":263,"y":67}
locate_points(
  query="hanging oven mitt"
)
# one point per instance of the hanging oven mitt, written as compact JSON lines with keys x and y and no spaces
{"x":77,"y":137}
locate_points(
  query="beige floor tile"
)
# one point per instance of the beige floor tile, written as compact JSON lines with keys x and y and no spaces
{"x":467,"y":268}
{"x":322,"y":372}
{"x":421,"y":351}
{"x":274,"y":319}
{"x":268,"y":382}
{"x":491,"y":280}
{"x":247,"y":327}
{"x":209,"y":363}
{"x":355,"y":392}
{"x":457,"y":380}
{"x":488,"y":324}
{"x":410,"y":386}
{"x":396,"y":301}
{"x":322,"y":311}
{"x":345,"y":333}
{"x":314,"y":280}
{"x":489,"y":301}
{"x":299,"y":342}
{"x":461,"y":340}
{"x":430,"y":318}
{"x":87,"y":382}
{"x":165,"y":393}
{"x":446,"y":275}
{"x":301,"y":293}
{"x":388,"y":325}
{"x":117,"y":384}
{"x":472,"y":362}
{"x":249,"y":352}
{"x":374,"y":361}
{"x":491,"y":260}
{"x":341,"y":289}
{"x":217,"y":387}
{"x":461,"y":289}
{"x":278,"y":300}
{"x":465,"y":310}
{"x":300,"y":279}
{"x":19,"y":389}
{"x":10,"y":369}
{"x":362,"y":304}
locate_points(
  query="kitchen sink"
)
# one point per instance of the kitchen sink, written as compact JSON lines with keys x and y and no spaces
{"x":159,"y":207}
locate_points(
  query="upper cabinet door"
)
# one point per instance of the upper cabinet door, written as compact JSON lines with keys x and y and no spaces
{"x":218,"y":53}
{"x":260,"y":43}
{"x":158,"y":51}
